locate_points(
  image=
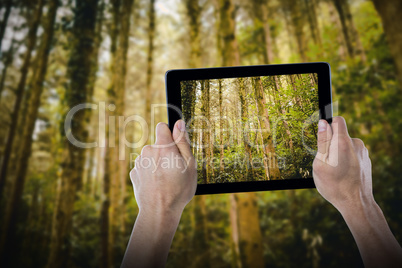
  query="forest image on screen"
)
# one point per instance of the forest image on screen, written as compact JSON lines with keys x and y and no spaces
{"x":252,"y":128}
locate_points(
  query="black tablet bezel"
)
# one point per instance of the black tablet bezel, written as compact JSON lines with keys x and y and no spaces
{"x":173,"y":97}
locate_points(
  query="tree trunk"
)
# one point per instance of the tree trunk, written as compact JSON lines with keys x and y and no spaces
{"x":230,"y":50}
{"x":151,"y":36}
{"x":201,"y":234}
{"x":278,"y":86}
{"x":109,"y":190}
{"x":20,"y":93}
{"x":310,"y":6}
{"x":352,"y":38}
{"x":336,"y":21}
{"x":298,"y":23}
{"x":222,"y":149}
{"x":263,"y":118}
{"x":251,"y":251}
{"x":356,"y":42}
{"x":205,"y":134}
{"x":260,"y":10}
{"x":115,"y":166}
{"x":244,"y":129}
{"x":193,"y":13}
{"x":3,"y":23}
{"x":188,"y":99}
{"x":79,"y":72}
{"x":390,"y":13}
{"x":230,"y":56}
{"x":121,"y":70}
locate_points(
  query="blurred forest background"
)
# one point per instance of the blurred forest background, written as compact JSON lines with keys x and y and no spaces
{"x":252,"y":128}
{"x":62,"y":206}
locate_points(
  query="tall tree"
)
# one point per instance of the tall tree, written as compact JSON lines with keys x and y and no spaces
{"x":296,"y":17}
{"x":151,"y":37}
{"x":200,"y":232}
{"x":352,"y":38}
{"x":230,"y":49}
{"x":311,"y":11}
{"x":277,"y":87}
{"x":264,"y":120}
{"x":260,"y":11}
{"x":193,"y":9}
{"x":188,"y":100}
{"x":242,"y":91}
{"x":115,"y":164}
{"x":79,"y":73}
{"x":31,"y":41}
{"x":248,"y":231}
{"x":390,"y":13}
{"x":221,"y":148}
{"x":13,"y":207}
{"x":206,"y":128}
{"x":109,"y":191}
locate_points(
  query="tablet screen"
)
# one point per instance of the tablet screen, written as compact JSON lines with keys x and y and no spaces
{"x":252,"y":128}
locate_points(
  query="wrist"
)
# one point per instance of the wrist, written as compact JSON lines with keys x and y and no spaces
{"x":360,"y":209}
{"x":160,"y":218}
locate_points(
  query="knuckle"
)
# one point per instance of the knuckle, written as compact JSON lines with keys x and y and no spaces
{"x":324,"y":139}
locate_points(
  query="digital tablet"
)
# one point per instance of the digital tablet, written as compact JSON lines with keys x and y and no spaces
{"x":251,"y":128}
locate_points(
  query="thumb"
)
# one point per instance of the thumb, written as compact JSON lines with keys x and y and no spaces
{"x":324,"y":138}
{"x":180,"y":137}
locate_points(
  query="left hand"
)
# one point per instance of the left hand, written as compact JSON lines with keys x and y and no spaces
{"x":165,"y":175}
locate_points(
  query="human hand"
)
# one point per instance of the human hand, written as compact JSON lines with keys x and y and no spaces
{"x":342,"y":167}
{"x":165,"y":175}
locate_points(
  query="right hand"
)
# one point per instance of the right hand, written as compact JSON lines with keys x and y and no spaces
{"x":342,"y":167}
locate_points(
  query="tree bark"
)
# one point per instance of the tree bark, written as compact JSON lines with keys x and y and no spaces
{"x":201,"y":233}
{"x":230,"y":50}
{"x":79,"y":72}
{"x":222,"y":149}
{"x":20,"y":93}
{"x":194,"y":14}
{"x":390,"y":13}
{"x":251,"y":251}
{"x":263,"y":118}
{"x":298,"y":23}
{"x":336,"y":21}
{"x":244,"y":121}
{"x":151,"y":36}
{"x":188,"y":99}
{"x":109,"y":190}
{"x":260,"y":10}
{"x":3,"y":23}
{"x":115,"y":166}
{"x":205,"y":130}
{"x":278,"y":86}
{"x":310,"y":6}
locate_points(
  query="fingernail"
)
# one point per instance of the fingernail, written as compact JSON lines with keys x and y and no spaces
{"x":322,"y":126}
{"x":182,"y":125}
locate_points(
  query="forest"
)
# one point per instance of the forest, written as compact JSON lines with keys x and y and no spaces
{"x":62,"y":205}
{"x":252,"y":128}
